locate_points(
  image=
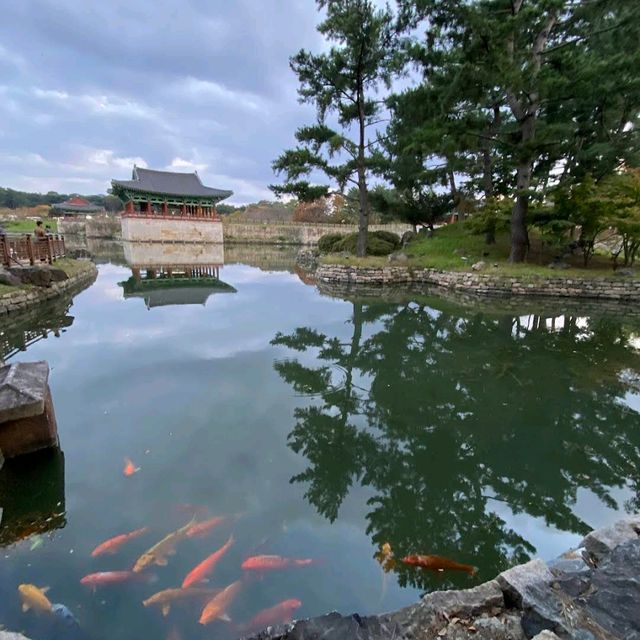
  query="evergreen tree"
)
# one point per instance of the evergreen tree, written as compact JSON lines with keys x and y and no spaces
{"x":344,"y":86}
{"x":515,"y":85}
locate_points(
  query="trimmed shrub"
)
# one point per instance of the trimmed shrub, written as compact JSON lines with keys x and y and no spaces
{"x":387,"y":236}
{"x":329,"y":242}
{"x":376,"y":246}
{"x":380,"y":243}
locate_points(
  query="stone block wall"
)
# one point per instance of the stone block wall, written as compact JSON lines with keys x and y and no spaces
{"x":165,"y":229}
{"x":104,"y":227}
{"x":614,"y":288}
{"x":298,"y":233}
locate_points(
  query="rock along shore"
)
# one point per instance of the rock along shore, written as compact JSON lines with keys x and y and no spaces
{"x":620,"y":288}
{"x":590,"y":593}
{"x":23,"y":298}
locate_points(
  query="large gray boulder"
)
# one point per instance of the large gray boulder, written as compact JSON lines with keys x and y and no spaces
{"x":38,"y":275}
{"x":8,"y":278}
{"x":601,"y":542}
{"x":23,"y":389}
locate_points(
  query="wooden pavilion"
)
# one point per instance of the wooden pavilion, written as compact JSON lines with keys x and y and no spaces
{"x":163,"y":206}
{"x":167,"y":193}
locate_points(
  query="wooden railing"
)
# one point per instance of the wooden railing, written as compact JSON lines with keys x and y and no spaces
{"x":19,"y":249}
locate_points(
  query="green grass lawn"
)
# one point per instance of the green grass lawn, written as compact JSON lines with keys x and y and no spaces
{"x":27,"y":226}
{"x":453,"y":242}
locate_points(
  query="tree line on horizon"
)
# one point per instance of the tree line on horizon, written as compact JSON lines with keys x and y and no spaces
{"x":15,"y":199}
{"x":521,"y":112}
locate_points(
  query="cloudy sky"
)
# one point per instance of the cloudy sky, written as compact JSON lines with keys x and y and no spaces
{"x":89,"y":87}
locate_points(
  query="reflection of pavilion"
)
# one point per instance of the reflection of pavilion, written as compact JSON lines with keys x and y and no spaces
{"x":170,"y":274}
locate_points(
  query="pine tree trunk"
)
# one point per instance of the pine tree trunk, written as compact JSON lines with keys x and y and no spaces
{"x":519,"y":235}
{"x":363,"y":217}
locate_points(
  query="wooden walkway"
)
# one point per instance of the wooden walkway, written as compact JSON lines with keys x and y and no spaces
{"x":22,"y":249}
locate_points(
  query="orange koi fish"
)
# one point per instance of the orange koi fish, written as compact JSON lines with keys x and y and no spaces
{"x":113,"y":544}
{"x":129,"y":468}
{"x":438,"y":563}
{"x":278,"y":614}
{"x":202,"y":570}
{"x":203,"y":528}
{"x":167,"y":597}
{"x":103,"y":578}
{"x":216,"y":608}
{"x":268,"y":563}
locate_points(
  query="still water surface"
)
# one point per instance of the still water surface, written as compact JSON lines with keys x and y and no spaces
{"x":329,"y":426}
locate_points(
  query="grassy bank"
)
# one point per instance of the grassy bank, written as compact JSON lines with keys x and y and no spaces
{"x":455,"y":248}
{"x":27,"y":226}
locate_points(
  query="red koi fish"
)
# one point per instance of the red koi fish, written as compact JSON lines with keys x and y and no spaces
{"x":198,"y":573}
{"x":278,"y":614}
{"x":269,"y":563}
{"x":129,"y":468}
{"x":113,"y":544}
{"x":201,"y":529}
{"x":103,"y":578}
{"x":438,"y":563}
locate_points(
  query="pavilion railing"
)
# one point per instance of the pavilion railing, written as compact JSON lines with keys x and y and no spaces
{"x":20,"y":249}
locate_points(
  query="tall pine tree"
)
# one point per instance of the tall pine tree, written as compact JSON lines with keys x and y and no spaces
{"x":344,"y":84}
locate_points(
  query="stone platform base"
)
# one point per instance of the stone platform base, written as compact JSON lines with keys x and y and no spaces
{"x":27,"y":418}
{"x":171,"y":229}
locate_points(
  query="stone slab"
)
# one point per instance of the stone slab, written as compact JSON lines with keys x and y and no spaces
{"x":464,"y":604}
{"x":517,"y":582}
{"x":601,"y":542}
{"x":615,"y":599}
{"x":23,"y":390}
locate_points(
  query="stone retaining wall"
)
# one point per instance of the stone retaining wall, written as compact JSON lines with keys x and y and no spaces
{"x":299,"y":233}
{"x":106,"y":227}
{"x":25,"y":297}
{"x":619,"y":288}
{"x":296,"y":233}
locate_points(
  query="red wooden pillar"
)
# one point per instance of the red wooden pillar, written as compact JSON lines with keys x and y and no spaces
{"x":184,"y":209}
{"x":128,"y":208}
{"x":165,"y":209}
{"x":149,"y":207}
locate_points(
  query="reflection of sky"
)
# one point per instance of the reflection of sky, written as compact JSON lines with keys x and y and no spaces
{"x":190,"y":393}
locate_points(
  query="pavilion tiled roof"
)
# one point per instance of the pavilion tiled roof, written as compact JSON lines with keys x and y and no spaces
{"x":77,"y":204}
{"x":169,"y":183}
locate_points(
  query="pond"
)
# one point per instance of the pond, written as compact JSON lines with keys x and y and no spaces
{"x":320,"y":426}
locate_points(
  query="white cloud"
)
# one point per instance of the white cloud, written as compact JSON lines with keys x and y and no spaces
{"x":108,"y":158}
{"x":180,"y":164}
{"x":206,"y":90}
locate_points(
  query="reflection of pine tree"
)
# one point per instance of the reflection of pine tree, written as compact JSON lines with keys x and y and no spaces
{"x":463,"y":413}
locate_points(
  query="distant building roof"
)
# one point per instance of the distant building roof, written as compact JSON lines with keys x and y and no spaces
{"x":77,"y":205}
{"x":169,"y":183}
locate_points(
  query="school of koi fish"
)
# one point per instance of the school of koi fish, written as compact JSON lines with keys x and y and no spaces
{"x":213,"y":603}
